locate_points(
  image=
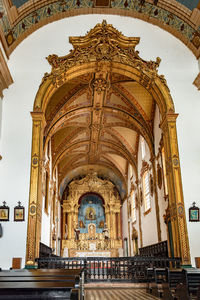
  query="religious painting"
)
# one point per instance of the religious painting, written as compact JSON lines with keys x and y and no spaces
{"x":194,"y":213}
{"x":90,"y":213}
{"x":19,"y":213}
{"x":4,"y":212}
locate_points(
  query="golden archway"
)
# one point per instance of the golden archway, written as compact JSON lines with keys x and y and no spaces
{"x":103,"y":69}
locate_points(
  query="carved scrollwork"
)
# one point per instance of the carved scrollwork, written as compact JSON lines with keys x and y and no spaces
{"x":159,"y":176}
{"x":103,"y":43}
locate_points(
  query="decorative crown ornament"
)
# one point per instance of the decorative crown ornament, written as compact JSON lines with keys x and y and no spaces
{"x":102,"y":43}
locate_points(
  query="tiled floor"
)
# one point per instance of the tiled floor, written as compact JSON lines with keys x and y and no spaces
{"x":117,"y":294}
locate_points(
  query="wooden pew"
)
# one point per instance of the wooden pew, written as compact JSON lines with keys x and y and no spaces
{"x":189,"y":288}
{"x":156,"y":277}
{"x":174,"y":278}
{"x":41,"y":284}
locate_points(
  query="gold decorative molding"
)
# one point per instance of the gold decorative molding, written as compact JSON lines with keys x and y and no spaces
{"x":176,"y":201}
{"x":112,"y":205}
{"x":96,"y":57}
{"x":197,"y":81}
{"x":5,"y":76}
{"x":35,"y":197}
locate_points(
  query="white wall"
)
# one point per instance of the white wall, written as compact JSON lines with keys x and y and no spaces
{"x":163,"y":204}
{"x":148,"y":221}
{"x":27,"y":65}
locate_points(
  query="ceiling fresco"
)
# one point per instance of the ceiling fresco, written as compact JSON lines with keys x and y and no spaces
{"x":188,"y":3}
{"x":19,"y":21}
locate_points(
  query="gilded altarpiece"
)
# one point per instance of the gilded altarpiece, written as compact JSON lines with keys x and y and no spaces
{"x":91,"y":217}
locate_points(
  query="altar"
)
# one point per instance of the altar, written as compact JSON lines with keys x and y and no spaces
{"x":79,"y":253}
{"x":91,"y":217}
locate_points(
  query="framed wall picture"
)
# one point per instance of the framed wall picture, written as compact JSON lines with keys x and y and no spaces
{"x":4,"y":212}
{"x":194,"y":213}
{"x":19,"y":213}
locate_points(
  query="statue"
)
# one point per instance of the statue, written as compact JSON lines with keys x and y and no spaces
{"x":106,"y":232}
{"x":81,"y":224}
{"x":65,"y":236}
{"x":92,"y":231}
{"x":101,"y":224}
{"x":76,"y":232}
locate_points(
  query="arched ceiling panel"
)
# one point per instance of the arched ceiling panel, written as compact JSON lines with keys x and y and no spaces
{"x":103,"y":171}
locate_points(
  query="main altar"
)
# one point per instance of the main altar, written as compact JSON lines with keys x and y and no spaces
{"x":91,"y":218}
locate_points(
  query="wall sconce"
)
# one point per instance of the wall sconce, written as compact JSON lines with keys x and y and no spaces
{"x":194,"y":213}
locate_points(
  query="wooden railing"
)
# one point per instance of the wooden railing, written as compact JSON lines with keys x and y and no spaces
{"x":129,"y":269}
{"x":156,"y":250}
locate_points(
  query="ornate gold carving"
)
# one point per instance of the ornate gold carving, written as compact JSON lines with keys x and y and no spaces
{"x":100,"y":85}
{"x":197,"y":81}
{"x":102,"y":50}
{"x":78,"y":188}
{"x":107,"y":44}
{"x":159,"y":176}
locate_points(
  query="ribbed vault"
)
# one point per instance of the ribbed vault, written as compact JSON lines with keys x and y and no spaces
{"x":96,"y":113}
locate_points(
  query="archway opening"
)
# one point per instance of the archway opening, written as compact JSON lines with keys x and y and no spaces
{"x":104,"y":121}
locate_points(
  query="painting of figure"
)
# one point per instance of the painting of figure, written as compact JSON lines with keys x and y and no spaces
{"x":90,"y":213}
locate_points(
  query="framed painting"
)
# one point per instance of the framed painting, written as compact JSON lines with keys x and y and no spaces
{"x":4,"y":212}
{"x":194,"y":213}
{"x":19,"y":213}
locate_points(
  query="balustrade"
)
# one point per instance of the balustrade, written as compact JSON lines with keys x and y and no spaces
{"x":129,"y":269}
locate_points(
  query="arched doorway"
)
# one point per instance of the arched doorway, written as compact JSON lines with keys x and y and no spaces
{"x":90,"y":114}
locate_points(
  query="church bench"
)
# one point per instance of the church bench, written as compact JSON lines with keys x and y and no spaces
{"x":41,"y":284}
{"x":156,"y":277}
{"x":189,"y":288}
{"x":175,"y":277}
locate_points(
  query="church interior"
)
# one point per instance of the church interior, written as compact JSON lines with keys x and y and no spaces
{"x":99,"y":115}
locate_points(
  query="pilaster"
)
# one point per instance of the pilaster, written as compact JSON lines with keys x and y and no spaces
{"x":35,"y":194}
{"x":176,"y":202}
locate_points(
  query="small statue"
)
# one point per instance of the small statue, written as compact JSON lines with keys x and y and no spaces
{"x":65,"y":236}
{"x":76,"y":232}
{"x":106,"y":232}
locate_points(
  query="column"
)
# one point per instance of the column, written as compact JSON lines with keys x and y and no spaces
{"x":119,"y":225}
{"x":176,"y":202}
{"x":35,"y":194}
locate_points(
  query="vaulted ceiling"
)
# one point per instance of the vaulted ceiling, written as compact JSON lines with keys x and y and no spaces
{"x":90,"y":128}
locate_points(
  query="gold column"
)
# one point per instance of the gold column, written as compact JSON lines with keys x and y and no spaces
{"x":176,"y":202}
{"x":63,"y":224}
{"x":140,"y":219}
{"x":35,"y":193}
{"x":114,"y":224}
{"x":107,"y":217}
{"x":119,"y":225}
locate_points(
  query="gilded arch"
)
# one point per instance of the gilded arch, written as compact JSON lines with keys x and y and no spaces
{"x":103,"y":52}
